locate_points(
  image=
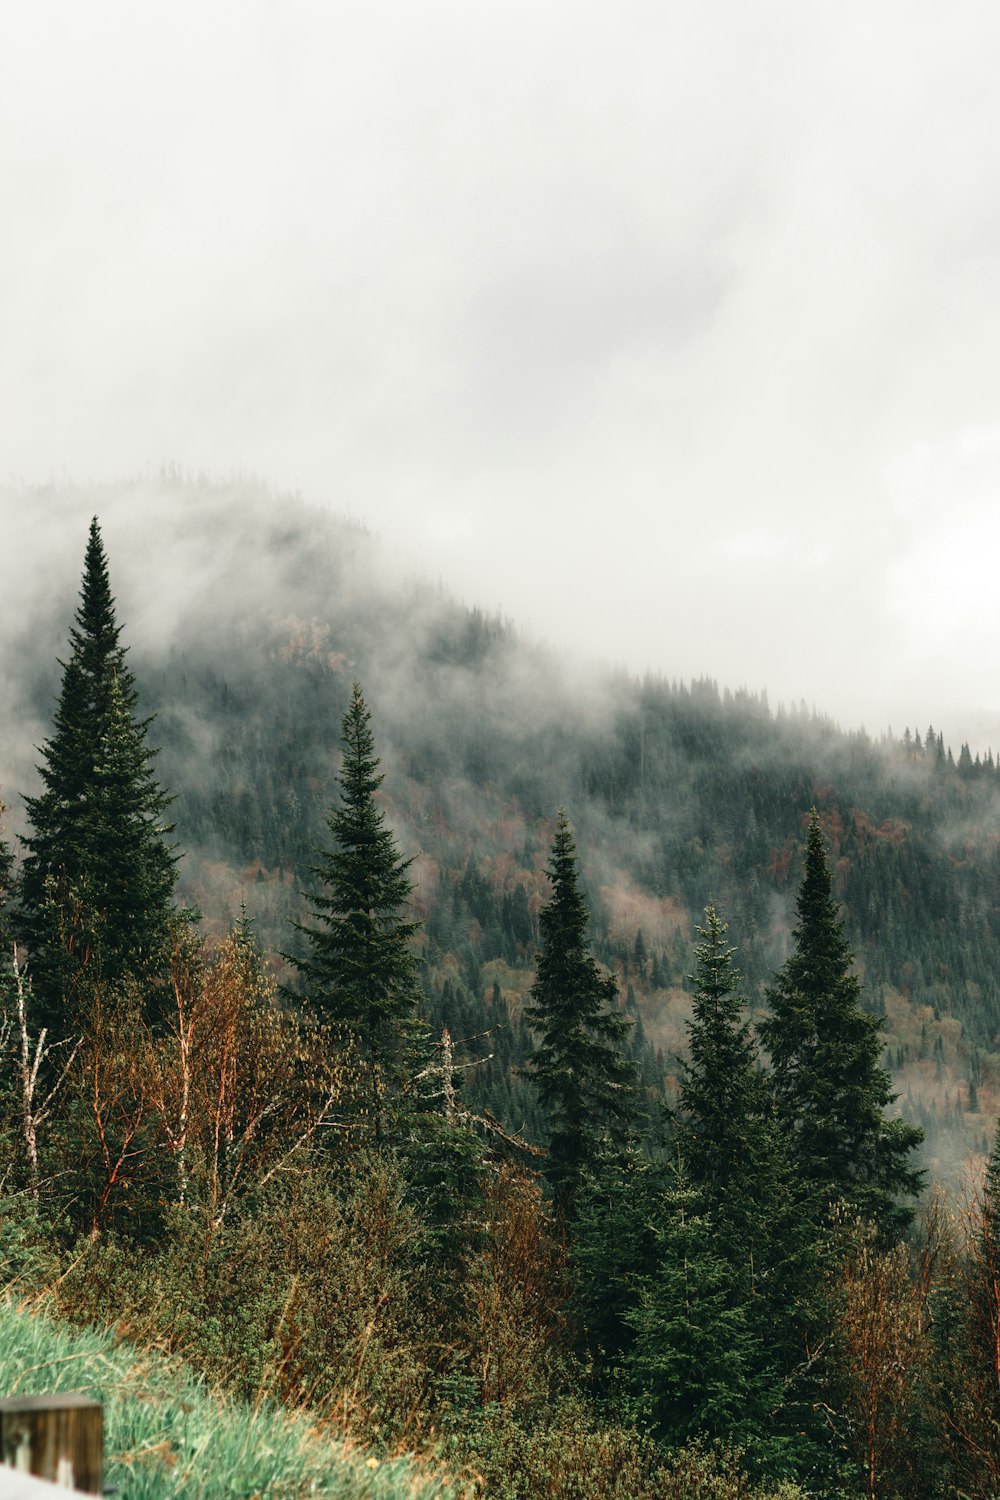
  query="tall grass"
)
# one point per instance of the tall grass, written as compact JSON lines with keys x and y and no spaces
{"x":167,"y":1435}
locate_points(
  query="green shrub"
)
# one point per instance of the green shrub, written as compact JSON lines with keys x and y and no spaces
{"x":571,"y":1457}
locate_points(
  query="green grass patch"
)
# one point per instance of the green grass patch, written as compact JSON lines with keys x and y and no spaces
{"x":168,"y":1435}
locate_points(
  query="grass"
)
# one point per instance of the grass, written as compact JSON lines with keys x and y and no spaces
{"x":167,"y":1435}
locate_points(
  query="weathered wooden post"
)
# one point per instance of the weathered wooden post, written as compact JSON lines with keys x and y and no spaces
{"x":59,"y":1438}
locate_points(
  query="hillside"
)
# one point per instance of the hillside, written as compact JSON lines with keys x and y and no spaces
{"x":167,"y":1436}
{"x":248,"y":619}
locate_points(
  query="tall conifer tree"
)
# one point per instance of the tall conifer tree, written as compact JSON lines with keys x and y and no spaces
{"x":724,"y":1119}
{"x":831,"y":1092}
{"x":97,"y":885}
{"x":359,"y":970}
{"x":740,"y":1166}
{"x":587,"y":1086}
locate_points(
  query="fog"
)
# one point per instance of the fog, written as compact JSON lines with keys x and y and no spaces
{"x":670,"y":330}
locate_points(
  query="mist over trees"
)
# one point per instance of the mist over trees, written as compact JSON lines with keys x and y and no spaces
{"x":482,"y":1166}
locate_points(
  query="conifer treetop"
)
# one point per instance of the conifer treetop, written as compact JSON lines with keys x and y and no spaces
{"x":95,"y":637}
{"x":722,"y":1097}
{"x":359,"y":970}
{"x":586,"y":1084}
{"x":830,"y":1089}
{"x":97,"y":886}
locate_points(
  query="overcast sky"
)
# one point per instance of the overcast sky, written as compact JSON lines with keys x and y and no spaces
{"x":672,"y":329}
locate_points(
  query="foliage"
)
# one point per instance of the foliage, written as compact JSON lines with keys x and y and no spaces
{"x":206,"y":1177}
{"x":239,"y":1088}
{"x":613,"y":1254}
{"x":830,"y":1089}
{"x":359,"y":971}
{"x":167,"y":1436}
{"x":695,"y":1367}
{"x":97,"y":883}
{"x":585,"y":1082}
{"x":573,"y":1457}
{"x":966,"y":1327}
{"x":745,"y":1179}
{"x":884,"y":1353}
{"x":725,"y":1132}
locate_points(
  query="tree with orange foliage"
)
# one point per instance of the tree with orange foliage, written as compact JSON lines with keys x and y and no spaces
{"x":240,"y":1087}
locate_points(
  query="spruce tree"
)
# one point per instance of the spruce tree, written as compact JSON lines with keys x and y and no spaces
{"x":97,"y":884}
{"x":359,"y":971}
{"x":830,"y":1091}
{"x":586,"y":1084}
{"x":695,"y":1368}
{"x":724,"y":1121}
{"x":727,"y":1135}
{"x":615,"y":1250}
{"x":738,"y":1165}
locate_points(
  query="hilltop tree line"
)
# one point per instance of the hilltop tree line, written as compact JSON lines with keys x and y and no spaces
{"x":300,"y":1189}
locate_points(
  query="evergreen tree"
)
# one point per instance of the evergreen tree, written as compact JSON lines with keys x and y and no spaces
{"x":694,"y":1367}
{"x":738,"y":1165}
{"x":359,"y":971}
{"x":725,"y":1133}
{"x":97,"y":885}
{"x":614,"y":1253}
{"x":585,"y":1083}
{"x":6,"y":884}
{"x":831,"y":1092}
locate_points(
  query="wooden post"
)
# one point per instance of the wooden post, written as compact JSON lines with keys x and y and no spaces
{"x":59,"y":1438}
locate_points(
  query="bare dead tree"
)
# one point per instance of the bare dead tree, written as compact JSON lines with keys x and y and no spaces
{"x":482,"y":1120}
{"x":35,"y":1103}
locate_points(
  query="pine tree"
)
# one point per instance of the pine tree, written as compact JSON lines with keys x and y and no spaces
{"x":359,"y":972}
{"x":97,"y":885}
{"x":831,"y":1092}
{"x":585,"y":1083}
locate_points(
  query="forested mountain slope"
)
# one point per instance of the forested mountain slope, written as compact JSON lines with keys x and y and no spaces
{"x":250,"y":615}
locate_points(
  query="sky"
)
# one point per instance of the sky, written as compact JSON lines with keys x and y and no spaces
{"x":670,"y":329}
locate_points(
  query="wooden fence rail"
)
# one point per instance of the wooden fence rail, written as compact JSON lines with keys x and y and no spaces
{"x":59,"y":1438}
